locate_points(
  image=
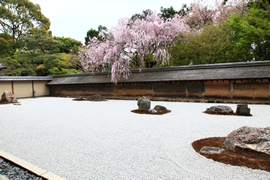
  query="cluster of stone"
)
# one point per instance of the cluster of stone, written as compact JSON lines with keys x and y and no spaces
{"x":241,"y":109}
{"x":8,"y":97}
{"x":257,"y":139}
{"x":145,"y":104}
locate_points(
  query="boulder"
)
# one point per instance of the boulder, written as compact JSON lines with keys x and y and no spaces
{"x":96,"y":97}
{"x":211,"y":150}
{"x":144,"y":103}
{"x":159,"y":107}
{"x":219,"y":109}
{"x":81,"y":98}
{"x":8,"y":97}
{"x":243,"y":109}
{"x":257,"y":139}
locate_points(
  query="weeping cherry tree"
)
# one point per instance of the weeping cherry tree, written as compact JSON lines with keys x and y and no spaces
{"x":132,"y":37}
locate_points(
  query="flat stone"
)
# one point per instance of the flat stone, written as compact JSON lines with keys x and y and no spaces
{"x":219,"y":109}
{"x":159,"y":107}
{"x":211,"y":150}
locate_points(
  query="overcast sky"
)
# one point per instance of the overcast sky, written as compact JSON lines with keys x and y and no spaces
{"x":74,"y":18}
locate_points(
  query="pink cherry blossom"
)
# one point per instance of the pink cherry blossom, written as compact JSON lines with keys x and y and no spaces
{"x":140,"y":37}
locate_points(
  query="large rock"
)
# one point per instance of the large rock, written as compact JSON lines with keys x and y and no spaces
{"x":219,"y":109}
{"x":8,"y":97}
{"x":242,"y":109}
{"x":144,"y":103}
{"x":257,"y":139}
{"x":96,"y":97}
{"x":159,"y":107}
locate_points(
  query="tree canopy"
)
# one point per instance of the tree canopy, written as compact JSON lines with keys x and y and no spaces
{"x":252,"y":31}
{"x":209,"y":46}
{"x":17,"y":16}
{"x":93,"y":34}
{"x":170,"y":12}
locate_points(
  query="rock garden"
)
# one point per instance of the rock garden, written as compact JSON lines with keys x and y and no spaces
{"x":246,"y":146}
{"x":144,"y":107}
{"x":242,"y":110}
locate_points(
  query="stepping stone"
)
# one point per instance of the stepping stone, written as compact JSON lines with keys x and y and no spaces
{"x":211,"y":150}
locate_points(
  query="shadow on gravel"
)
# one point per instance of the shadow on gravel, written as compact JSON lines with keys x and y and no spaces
{"x":237,"y":156}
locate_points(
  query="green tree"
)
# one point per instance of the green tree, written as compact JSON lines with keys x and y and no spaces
{"x":142,"y":15}
{"x":18,"y":16}
{"x":41,"y":40}
{"x":252,"y":31}
{"x":33,"y":63}
{"x":93,"y":34}
{"x":170,"y":12}
{"x":211,"y":45}
{"x":67,"y":45}
{"x":6,"y":44}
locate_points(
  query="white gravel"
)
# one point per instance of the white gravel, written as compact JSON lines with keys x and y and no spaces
{"x":104,"y":140}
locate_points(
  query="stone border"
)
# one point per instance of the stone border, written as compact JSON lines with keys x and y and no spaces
{"x":30,"y":167}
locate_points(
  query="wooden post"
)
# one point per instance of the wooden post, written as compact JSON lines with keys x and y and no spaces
{"x":33,"y":89}
{"x":186,"y":89}
{"x":12,"y":87}
{"x":153,"y":89}
{"x":269,"y":89}
{"x":231,"y":89}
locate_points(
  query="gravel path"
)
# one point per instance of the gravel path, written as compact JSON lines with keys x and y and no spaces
{"x":104,"y":140}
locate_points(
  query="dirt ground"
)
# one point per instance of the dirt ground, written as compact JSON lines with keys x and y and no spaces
{"x":237,"y":156}
{"x":159,"y":112}
{"x":230,"y":114}
{"x":5,"y":102}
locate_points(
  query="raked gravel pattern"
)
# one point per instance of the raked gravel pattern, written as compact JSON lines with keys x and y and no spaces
{"x":104,"y":140}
